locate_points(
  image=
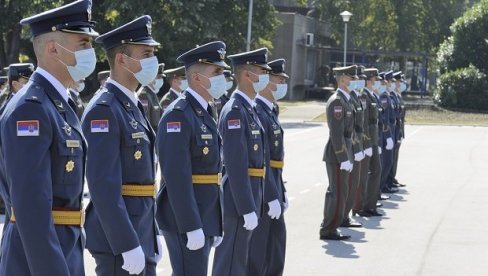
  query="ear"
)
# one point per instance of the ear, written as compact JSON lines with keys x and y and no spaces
{"x":119,"y":58}
{"x":51,"y":48}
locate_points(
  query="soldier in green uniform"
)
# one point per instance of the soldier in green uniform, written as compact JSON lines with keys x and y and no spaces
{"x":338,"y":154}
{"x":357,"y":147}
{"x":177,"y":80}
{"x":370,"y":177}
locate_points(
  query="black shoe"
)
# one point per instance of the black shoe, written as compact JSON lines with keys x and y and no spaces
{"x":349,"y":224}
{"x":398,"y":183}
{"x":334,"y":237}
{"x":375,"y":213}
{"x":363,"y":213}
{"x":378,"y":205}
{"x":389,"y":190}
{"x":383,"y":197}
{"x":394,"y":185}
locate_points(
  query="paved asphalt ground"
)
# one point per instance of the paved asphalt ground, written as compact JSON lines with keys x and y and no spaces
{"x":432,"y":227}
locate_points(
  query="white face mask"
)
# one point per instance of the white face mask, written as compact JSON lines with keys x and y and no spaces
{"x":262,"y":82}
{"x":392,"y":86}
{"x":403,"y":87}
{"x":228,"y":85}
{"x":360,"y":84}
{"x":183,"y":84}
{"x":351,"y":86}
{"x":217,"y":86}
{"x":280,"y":92}
{"x":157,"y":84}
{"x":148,"y":72}
{"x":86,"y":60}
{"x":81,"y":86}
{"x":376,"y":85}
{"x":382,"y":89}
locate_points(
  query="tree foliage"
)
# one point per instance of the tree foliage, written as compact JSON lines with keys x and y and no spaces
{"x":177,"y":24}
{"x":393,"y":25}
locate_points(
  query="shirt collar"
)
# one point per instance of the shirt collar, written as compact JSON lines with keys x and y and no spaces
{"x":132,"y":96}
{"x":176,"y":92}
{"x":348,"y":97}
{"x":266,"y":101}
{"x":199,"y":98}
{"x":249,"y":101}
{"x":63,"y":91}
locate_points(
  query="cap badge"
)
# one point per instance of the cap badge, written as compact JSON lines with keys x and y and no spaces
{"x":221,"y":52}
{"x":149,"y":27}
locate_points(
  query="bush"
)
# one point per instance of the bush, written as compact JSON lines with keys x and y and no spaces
{"x":463,"y":88}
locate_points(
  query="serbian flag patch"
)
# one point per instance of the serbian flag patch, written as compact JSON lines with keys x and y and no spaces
{"x":99,"y":126}
{"x":28,"y":128}
{"x":173,"y":127}
{"x":234,"y":124}
{"x":338,"y":112}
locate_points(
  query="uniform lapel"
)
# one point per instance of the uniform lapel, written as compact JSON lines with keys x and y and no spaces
{"x":68,"y":114}
{"x":202,"y":113}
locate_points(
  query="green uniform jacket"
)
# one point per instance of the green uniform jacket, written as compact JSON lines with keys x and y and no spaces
{"x":340,"y":120}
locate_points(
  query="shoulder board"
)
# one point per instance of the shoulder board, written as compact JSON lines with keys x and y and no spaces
{"x":236,"y":104}
{"x":105,"y":98}
{"x":34,"y":93}
{"x":180,"y":104}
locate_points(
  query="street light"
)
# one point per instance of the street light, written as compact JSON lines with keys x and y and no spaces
{"x":345,"y":17}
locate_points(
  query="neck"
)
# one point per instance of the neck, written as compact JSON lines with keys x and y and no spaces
{"x":124,"y":77}
{"x":57,"y":70}
{"x":267,"y":94}
{"x":201,"y":91}
{"x":344,"y":88}
{"x":177,"y":89}
{"x":247,"y":89}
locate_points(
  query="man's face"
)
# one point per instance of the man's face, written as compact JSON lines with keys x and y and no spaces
{"x":209,"y":71}
{"x":136,"y":53}
{"x":70,"y":44}
{"x":253,"y":72}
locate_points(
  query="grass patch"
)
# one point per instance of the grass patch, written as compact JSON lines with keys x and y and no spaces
{"x":427,"y":116}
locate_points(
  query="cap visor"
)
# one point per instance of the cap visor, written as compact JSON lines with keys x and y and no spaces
{"x":81,"y":30}
{"x":148,"y":42}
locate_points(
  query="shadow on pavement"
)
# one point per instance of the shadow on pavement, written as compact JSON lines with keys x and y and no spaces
{"x":286,"y":125}
{"x":356,"y":235}
{"x":340,"y":249}
{"x":370,"y":223}
{"x":389,"y":205}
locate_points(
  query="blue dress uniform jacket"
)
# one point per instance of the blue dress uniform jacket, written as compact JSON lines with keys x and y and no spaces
{"x":43,"y":150}
{"x":268,"y":242}
{"x":388,"y":118}
{"x":243,"y":147}
{"x":188,"y":144}
{"x":121,"y":152}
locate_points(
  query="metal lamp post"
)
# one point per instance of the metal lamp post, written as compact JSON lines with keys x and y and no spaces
{"x":345,"y":17}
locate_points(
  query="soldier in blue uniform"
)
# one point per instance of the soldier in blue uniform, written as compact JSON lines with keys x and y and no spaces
{"x":398,"y":86}
{"x":268,"y":242}
{"x":120,"y":225}
{"x":41,"y":133}
{"x":149,"y":98}
{"x":178,"y":83}
{"x":189,"y":203}
{"x":244,"y":163}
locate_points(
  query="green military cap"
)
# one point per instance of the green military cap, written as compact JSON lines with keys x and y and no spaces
{"x":360,"y":72}
{"x":349,"y":71}
{"x":372,"y":72}
{"x":175,"y":72}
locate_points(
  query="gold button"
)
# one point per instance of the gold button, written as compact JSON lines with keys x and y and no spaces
{"x":205,"y":150}
{"x":256,"y":147}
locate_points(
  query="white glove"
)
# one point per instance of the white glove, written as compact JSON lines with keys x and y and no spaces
{"x":358,"y":156}
{"x":217,"y":240}
{"x":274,"y":209}
{"x":159,"y":256}
{"x":286,"y":204}
{"x":250,"y":221}
{"x":379,"y":150}
{"x":389,"y":144}
{"x":346,"y":166}
{"x":196,"y":239}
{"x":134,"y":261}
{"x":368,"y":152}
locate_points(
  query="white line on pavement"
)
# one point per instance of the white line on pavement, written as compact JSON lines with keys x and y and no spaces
{"x":304,"y":191}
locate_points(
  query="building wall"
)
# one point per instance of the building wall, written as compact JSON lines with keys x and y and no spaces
{"x":302,"y":61}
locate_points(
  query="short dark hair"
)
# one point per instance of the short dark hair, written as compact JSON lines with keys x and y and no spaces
{"x":111,"y":53}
